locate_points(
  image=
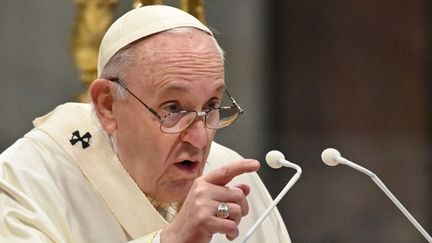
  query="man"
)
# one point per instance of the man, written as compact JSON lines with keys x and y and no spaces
{"x":139,"y":165}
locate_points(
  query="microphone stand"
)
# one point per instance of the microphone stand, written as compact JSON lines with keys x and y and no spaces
{"x":388,"y":193}
{"x":278,"y":198}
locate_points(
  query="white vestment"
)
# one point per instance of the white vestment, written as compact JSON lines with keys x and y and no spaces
{"x":55,"y":189}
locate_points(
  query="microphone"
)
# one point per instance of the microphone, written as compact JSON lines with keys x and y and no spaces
{"x":275,"y":160}
{"x":332,"y":157}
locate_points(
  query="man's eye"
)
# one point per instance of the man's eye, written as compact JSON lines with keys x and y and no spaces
{"x":172,"y":108}
{"x":212,"y":105}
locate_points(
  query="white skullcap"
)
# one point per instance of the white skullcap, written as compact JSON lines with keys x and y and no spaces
{"x":142,"y":22}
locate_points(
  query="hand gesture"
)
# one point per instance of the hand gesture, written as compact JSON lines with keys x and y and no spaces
{"x":197,"y":221}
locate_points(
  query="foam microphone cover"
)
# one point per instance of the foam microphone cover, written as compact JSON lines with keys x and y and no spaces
{"x":329,"y":155}
{"x":272,"y":159}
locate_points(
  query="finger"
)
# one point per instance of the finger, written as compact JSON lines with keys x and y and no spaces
{"x":232,"y":231}
{"x":234,"y":196}
{"x":235,"y":212}
{"x":226,"y":194}
{"x":224,"y":226}
{"x":237,"y":196}
{"x":230,"y":238}
{"x":245,"y":188}
{"x":221,"y":176}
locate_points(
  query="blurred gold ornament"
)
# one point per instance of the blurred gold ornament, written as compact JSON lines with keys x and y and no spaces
{"x":91,"y":22}
{"x":194,"y":7}
{"x":140,"y":3}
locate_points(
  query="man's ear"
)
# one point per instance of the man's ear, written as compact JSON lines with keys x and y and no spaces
{"x":103,"y":101}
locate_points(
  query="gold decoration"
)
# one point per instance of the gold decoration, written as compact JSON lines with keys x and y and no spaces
{"x":194,"y":7}
{"x":140,"y":3}
{"x":91,"y":22}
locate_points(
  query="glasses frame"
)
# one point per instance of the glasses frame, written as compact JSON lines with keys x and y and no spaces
{"x":199,"y":113}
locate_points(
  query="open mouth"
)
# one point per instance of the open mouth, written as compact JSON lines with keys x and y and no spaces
{"x":187,"y":165}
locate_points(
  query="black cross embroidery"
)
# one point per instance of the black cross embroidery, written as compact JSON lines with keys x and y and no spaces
{"x":85,"y":139}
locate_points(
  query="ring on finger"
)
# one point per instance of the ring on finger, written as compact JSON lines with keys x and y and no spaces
{"x":222,"y":210}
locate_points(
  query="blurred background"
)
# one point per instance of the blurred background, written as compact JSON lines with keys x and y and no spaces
{"x":354,"y":75}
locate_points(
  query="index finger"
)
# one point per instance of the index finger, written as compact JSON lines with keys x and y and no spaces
{"x":221,"y":176}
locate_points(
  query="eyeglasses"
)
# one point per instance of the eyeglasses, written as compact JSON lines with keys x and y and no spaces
{"x":176,"y":122}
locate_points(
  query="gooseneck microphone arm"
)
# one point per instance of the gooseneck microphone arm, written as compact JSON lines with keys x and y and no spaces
{"x":275,"y":159}
{"x":332,"y":157}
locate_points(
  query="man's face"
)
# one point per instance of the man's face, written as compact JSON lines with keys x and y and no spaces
{"x":170,"y":72}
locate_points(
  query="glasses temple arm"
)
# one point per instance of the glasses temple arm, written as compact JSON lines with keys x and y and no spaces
{"x":234,"y":102}
{"x":116,"y":80}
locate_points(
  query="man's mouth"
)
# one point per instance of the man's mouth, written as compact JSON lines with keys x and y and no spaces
{"x":187,"y":165}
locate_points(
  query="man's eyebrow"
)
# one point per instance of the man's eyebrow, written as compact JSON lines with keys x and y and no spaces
{"x":220,"y":89}
{"x":171,"y":88}
{"x":178,"y":88}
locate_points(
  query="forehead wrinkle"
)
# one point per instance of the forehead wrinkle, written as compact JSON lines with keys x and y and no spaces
{"x":167,"y":88}
{"x":172,"y":43}
{"x":182,"y":67}
{"x":160,"y":61}
{"x":187,"y":71}
{"x":197,"y":58}
{"x":164,"y":48}
{"x":164,"y":78}
{"x":185,"y":66}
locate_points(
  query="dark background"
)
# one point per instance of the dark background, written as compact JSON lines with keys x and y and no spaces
{"x":354,"y":75}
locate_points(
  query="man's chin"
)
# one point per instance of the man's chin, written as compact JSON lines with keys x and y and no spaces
{"x":177,"y":193}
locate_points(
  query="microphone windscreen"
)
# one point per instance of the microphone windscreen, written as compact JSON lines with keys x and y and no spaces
{"x":272,"y":159}
{"x":329,"y":155}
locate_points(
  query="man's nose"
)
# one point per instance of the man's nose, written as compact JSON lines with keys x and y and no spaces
{"x":196,"y":134}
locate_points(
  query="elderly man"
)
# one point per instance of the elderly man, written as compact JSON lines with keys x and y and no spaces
{"x":139,"y":165}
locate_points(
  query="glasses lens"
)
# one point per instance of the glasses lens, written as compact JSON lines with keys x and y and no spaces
{"x":215,"y":119}
{"x":177,"y":122}
{"x":212,"y":119}
{"x":222,"y":117}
